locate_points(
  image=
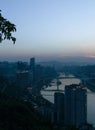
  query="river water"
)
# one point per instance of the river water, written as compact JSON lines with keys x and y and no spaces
{"x":49,"y":95}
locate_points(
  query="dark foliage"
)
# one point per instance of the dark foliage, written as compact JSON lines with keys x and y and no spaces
{"x":6,"y":29}
{"x":17,"y":115}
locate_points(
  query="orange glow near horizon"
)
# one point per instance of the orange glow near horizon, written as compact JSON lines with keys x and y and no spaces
{"x":92,"y":56}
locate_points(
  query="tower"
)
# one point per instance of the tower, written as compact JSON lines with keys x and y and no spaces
{"x":32,"y":63}
{"x":32,"y":68}
{"x":59,"y":107}
{"x":75,"y":112}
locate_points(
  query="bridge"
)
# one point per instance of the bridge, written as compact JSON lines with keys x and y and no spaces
{"x":81,"y":78}
{"x":66,"y":77}
{"x":88,"y":92}
{"x":58,"y":82}
{"x":53,"y":90}
{"x":47,"y":95}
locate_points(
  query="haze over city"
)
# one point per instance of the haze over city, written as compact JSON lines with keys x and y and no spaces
{"x":47,"y":65}
{"x":50,"y":29}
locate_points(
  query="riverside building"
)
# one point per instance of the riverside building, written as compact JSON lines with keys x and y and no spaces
{"x":75,"y":105}
{"x":58,"y":107}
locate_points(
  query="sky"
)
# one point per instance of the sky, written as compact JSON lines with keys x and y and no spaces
{"x":49,"y":29}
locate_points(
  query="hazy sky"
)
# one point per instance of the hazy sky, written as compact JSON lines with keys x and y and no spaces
{"x":49,"y":28}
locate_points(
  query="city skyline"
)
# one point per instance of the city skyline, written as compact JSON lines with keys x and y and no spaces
{"x":50,"y":29}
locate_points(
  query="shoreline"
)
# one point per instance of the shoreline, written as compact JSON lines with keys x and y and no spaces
{"x":90,"y":86}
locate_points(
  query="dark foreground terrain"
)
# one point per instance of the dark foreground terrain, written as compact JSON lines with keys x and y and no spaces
{"x":18,"y":115}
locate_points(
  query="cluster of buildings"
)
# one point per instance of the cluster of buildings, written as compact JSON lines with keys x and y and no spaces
{"x":25,"y":74}
{"x":70,"y":108}
{"x":33,"y":74}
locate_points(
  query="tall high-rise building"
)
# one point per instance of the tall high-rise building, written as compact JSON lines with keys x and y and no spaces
{"x":32,"y":63}
{"x":32,"y":68}
{"x":75,"y":102}
{"x":59,"y":107}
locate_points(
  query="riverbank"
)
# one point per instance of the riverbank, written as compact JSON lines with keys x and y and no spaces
{"x":90,"y":86}
{"x":49,"y":95}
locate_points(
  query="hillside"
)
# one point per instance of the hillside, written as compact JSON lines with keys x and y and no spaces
{"x":17,"y":115}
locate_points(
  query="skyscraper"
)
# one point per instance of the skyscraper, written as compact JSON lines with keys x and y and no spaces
{"x":32,"y":63}
{"x":59,"y":106}
{"x":75,"y":111}
{"x":32,"y":68}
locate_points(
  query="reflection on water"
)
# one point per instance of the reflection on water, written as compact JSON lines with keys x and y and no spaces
{"x":90,"y":96}
{"x":91,"y":107}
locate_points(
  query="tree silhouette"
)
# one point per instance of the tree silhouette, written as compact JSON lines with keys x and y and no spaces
{"x":6,"y":29}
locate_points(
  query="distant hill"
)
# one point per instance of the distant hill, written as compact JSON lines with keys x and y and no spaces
{"x":59,"y":62}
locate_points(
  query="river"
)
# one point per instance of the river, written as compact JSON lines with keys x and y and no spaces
{"x":49,"y":95}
